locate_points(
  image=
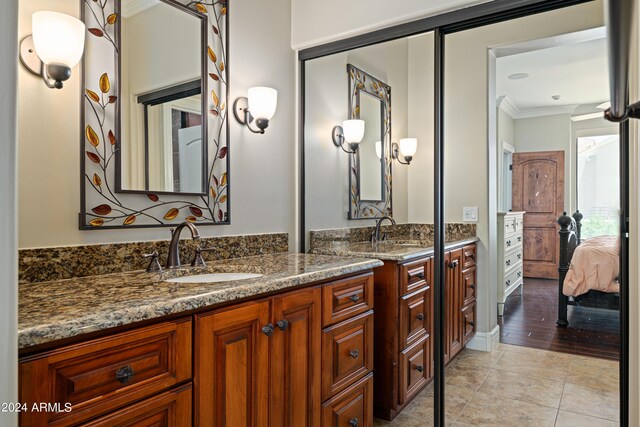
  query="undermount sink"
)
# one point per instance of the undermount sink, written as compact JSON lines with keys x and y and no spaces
{"x":214,"y":278}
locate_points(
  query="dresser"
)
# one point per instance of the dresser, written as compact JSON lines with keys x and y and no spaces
{"x":510,"y":255}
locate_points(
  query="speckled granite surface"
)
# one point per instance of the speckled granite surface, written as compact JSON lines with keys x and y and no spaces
{"x":49,"y":311}
{"x":39,"y":265}
{"x":390,"y":250}
{"x":412,"y":231}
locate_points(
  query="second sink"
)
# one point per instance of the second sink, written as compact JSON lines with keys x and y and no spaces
{"x":214,"y":278}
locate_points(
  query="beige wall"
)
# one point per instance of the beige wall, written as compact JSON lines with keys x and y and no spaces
{"x":9,"y":217}
{"x":262,"y":172}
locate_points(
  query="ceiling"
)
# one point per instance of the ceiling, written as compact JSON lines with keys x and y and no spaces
{"x":575,"y":70}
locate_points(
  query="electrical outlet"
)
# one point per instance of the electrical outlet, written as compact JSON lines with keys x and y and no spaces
{"x":470,"y":214}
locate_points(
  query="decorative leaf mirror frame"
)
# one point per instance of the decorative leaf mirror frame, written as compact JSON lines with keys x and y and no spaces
{"x":101,"y":205}
{"x":360,"y":81}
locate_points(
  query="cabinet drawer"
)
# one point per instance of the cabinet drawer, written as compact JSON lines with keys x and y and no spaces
{"x":346,"y":298}
{"x":414,"y":276}
{"x":351,"y":408}
{"x":513,"y":276}
{"x":415,"y":368}
{"x":170,"y":409}
{"x":512,"y":258}
{"x":511,"y":242}
{"x":469,"y":283}
{"x":519,"y":224}
{"x":103,"y":374}
{"x":509,"y":225}
{"x":415,"y":317}
{"x":468,"y":256}
{"x":468,"y":322}
{"x":347,"y":353}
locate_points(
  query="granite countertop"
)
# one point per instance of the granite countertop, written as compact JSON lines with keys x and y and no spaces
{"x":389,"y":250}
{"x":50,"y":311}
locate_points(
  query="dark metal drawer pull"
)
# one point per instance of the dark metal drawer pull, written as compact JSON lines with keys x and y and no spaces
{"x":519,"y":238}
{"x":519,"y":256}
{"x":472,"y":256}
{"x":508,"y":282}
{"x":419,"y":368}
{"x":508,"y":242}
{"x":353,"y":422}
{"x":508,"y":262}
{"x":354,"y":354}
{"x":268,"y":329}
{"x":355,"y":298}
{"x":472,"y":286}
{"x":125,"y":374}
{"x":472,"y":323}
{"x":282,"y":324}
{"x":420,"y":276}
{"x":453,"y":264}
{"x":420,"y":316}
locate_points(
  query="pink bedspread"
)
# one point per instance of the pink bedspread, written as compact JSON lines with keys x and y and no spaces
{"x":594,"y":266}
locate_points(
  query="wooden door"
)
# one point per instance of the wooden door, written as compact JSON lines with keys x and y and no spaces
{"x":232,"y":367}
{"x":295,"y":362}
{"x":538,"y":189}
{"x":454,"y":297}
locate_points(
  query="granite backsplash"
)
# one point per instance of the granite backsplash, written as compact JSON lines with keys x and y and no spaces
{"x":423,"y":232}
{"x":45,"y":264}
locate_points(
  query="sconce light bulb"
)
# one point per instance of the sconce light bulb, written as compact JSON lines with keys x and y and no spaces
{"x":353,"y":131}
{"x":262,"y":102}
{"x":58,"y":38}
{"x":408,"y":147}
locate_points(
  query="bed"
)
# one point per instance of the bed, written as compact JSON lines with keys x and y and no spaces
{"x":592,"y":280}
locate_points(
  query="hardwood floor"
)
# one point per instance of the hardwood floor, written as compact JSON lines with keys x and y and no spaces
{"x":530,"y":320}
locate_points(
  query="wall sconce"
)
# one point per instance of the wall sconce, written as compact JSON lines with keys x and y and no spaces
{"x":259,"y":105}
{"x":351,"y":132}
{"x":407,"y":148}
{"x":56,"y":45}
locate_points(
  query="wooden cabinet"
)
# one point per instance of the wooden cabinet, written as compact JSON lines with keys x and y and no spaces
{"x":267,"y":362}
{"x":105,"y":374}
{"x":403,"y":298}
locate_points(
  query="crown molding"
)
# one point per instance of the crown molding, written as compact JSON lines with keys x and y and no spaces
{"x":505,"y":104}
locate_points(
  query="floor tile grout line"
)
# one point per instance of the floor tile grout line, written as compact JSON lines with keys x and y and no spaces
{"x":591,"y":416}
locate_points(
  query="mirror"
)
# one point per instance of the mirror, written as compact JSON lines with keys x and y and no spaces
{"x":155,"y":127}
{"x":370,"y":160}
{"x":162,"y":130}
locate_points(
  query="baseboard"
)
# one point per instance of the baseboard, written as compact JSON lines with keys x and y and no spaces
{"x":485,"y":341}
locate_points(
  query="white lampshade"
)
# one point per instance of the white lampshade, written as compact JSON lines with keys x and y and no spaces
{"x":378,"y":145}
{"x":408,"y":146}
{"x":262,"y":102}
{"x":353,"y":131}
{"x":58,"y":38}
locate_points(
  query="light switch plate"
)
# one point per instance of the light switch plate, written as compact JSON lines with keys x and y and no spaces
{"x":470,"y":214}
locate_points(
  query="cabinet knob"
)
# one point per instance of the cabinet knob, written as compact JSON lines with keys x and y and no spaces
{"x":519,"y":256}
{"x":519,"y":273}
{"x":353,"y":422}
{"x":508,"y":262}
{"x":472,"y":323}
{"x":355,"y":297}
{"x":453,"y":264}
{"x":508,"y":242}
{"x":420,"y":276}
{"x":354,"y":354}
{"x":508,"y":282}
{"x":282,"y":324}
{"x":420,"y":368}
{"x":268,"y":329}
{"x":519,"y":238}
{"x":472,"y":286}
{"x":124,"y":374}
{"x":420,"y":316}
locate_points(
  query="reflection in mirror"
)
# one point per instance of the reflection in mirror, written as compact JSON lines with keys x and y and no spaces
{"x":370,"y":161}
{"x":518,"y":129}
{"x":162,"y":127}
{"x":403,"y":297}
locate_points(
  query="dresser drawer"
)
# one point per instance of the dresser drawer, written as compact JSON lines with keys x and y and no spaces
{"x":468,"y":322}
{"x":511,"y":242}
{"x":103,"y":374}
{"x":351,"y":408}
{"x":509,"y":225}
{"x":346,"y":298}
{"x":468,"y":256}
{"x":513,"y":276}
{"x":469,"y":283}
{"x":415,"y":275}
{"x":415,"y":369}
{"x":512,"y":258}
{"x":415,"y":317}
{"x":169,"y":409}
{"x":519,"y":224}
{"x":347,"y":353}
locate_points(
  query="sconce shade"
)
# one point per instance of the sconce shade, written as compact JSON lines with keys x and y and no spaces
{"x":58,"y":38}
{"x":262,"y":102}
{"x":378,"y":146}
{"x":353,"y":131}
{"x":408,"y":146}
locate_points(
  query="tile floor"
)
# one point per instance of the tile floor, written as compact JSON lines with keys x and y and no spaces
{"x":519,"y":386}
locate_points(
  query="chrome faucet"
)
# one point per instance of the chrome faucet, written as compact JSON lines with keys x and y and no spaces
{"x":375,"y":234}
{"x":173,"y":259}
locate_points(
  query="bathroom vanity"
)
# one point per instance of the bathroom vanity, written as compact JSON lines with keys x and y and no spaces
{"x":291,"y":347}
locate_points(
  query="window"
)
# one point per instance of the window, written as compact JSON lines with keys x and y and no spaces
{"x":598,"y":184}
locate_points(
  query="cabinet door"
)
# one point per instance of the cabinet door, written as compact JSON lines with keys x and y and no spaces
{"x":295,"y":362}
{"x":232,"y":367}
{"x":454,"y":302}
